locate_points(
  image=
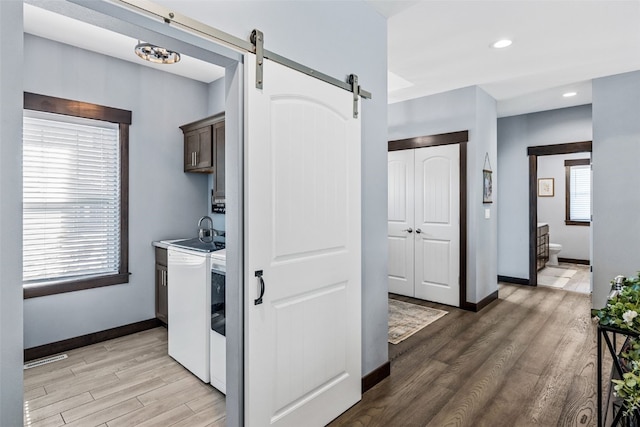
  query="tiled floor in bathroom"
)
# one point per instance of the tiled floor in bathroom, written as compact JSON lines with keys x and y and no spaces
{"x":567,"y":276}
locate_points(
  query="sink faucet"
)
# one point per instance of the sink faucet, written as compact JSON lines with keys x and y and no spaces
{"x":205,"y":234}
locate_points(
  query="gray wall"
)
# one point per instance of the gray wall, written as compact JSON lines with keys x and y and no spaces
{"x":616,"y":199}
{"x":11,"y":214}
{"x":164,"y":202}
{"x":464,"y":109}
{"x":575,"y":239}
{"x":515,"y":134}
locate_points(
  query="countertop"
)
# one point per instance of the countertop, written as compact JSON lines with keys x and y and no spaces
{"x":164,"y":244}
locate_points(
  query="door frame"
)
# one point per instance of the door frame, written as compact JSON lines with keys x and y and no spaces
{"x":461,"y":138}
{"x":533,"y":153}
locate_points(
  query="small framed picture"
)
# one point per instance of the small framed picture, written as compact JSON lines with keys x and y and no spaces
{"x":545,"y":187}
{"x":487,"y":186}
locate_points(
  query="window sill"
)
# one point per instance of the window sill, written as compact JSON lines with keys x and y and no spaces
{"x":52,"y":288}
{"x":583,"y":223}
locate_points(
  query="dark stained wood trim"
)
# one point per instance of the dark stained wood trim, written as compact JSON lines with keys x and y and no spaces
{"x":533,"y":219}
{"x":429,"y":141}
{"x":477,"y":306}
{"x":85,"y":340}
{"x":67,"y":107}
{"x":52,"y":288}
{"x":375,"y":376}
{"x":577,"y":162}
{"x":567,"y":190}
{"x":568,"y":148}
{"x":124,"y":199}
{"x":487,"y":300}
{"x":50,"y":104}
{"x":463,"y":224}
{"x":581,"y":223}
{"x":514,"y":280}
{"x":533,"y":153}
{"x":575,"y":261}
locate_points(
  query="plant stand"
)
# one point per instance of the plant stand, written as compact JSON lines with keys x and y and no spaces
{"x":608,"y":336}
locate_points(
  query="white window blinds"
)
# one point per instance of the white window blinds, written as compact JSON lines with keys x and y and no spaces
{"x":71,"y":197}
{"x":580,"y":193}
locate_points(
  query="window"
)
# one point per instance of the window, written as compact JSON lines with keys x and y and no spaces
{"x":75,"y":195}
{"x":578,"y":191}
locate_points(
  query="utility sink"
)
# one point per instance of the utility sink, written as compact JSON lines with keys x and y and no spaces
{"x":198,"y":245}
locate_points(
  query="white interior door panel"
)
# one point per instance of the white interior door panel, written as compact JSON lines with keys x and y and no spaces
{"x":437,"y":213}
{"x":302,"y":231}
{"x":401,"y":221}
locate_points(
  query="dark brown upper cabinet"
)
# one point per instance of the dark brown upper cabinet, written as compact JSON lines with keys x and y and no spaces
{"x":218,"y":155}
{"x":204,"y":147}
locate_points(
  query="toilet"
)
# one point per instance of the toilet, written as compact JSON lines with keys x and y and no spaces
{"x":554,"y":250}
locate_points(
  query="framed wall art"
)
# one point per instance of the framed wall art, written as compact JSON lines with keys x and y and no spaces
{"x":545,"y":187}
{"x":487,"y":181}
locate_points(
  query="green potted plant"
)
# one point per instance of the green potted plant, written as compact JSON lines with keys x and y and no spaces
{"x":623,"y":312}
{"x":623,"y":308}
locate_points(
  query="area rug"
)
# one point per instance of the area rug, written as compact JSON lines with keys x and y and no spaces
{"x":406,"y":319}
{"x":555,"y":277}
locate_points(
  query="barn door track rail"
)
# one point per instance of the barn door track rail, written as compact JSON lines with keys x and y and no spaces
{"x":256,"y":46}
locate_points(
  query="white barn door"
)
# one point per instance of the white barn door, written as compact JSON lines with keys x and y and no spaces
{"x":437,"y":220}
{"x":302,"y":232}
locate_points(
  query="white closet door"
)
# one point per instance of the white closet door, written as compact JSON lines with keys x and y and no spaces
{"x":302,"y":230}
{"x":437,"y":216}
{"x":400,"y":215}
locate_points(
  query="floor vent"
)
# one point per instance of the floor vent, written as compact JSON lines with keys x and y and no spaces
{"x":45,"y":361}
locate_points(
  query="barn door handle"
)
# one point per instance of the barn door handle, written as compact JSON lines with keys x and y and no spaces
{"x":258,"y":300}
{"x":409,"y":230}
{"x":418,"y":231}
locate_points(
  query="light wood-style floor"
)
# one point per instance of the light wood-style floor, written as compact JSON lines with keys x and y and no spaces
{"x":128,"y":381}
{"x":581,"y":280}
{"x":528,"y":359}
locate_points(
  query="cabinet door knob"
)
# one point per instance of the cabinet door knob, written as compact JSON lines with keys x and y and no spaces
{"x":408,"y":230}
{"x":418,"y":231}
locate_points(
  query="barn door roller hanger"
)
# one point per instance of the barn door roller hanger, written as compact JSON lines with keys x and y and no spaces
{"x":255,"y":46}
{"x":351,"y":85}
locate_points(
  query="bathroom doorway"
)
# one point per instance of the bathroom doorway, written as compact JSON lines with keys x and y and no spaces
{"x":556,"y":216}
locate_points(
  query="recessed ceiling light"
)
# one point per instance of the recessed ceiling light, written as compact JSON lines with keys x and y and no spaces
{"x":502,"y":43}
{"x":569,"y":94}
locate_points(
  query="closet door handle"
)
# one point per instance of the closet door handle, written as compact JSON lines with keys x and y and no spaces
{"x":258,"y":300}
{"x":409,"y":230}
{"x":418,"y":231}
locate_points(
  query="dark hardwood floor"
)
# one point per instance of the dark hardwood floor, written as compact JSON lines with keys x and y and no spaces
{"x":527,"y":359}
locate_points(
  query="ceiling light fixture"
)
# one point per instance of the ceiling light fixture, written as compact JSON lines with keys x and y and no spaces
{"x":502,"y":43}
{"x":156,"y":54}
{"x":569,"y":94}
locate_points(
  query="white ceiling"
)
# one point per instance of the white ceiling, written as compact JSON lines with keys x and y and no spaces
{"x":440,"y":45}
{"x":558,"y":46}
{"x":53,"y":26}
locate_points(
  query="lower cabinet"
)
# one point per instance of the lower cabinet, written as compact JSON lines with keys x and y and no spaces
{"x":162,"y":282}
{"x":542,"y":246}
